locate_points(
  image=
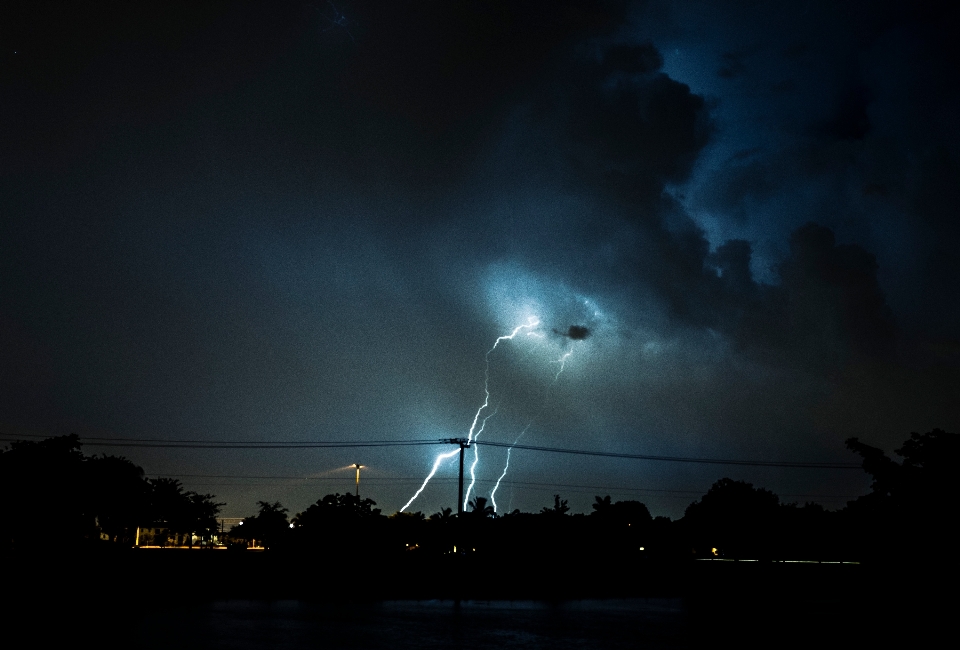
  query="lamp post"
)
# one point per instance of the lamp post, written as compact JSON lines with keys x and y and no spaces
{"x":358,"y":466}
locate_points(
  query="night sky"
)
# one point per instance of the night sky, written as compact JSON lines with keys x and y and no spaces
{"x":289,"y":221}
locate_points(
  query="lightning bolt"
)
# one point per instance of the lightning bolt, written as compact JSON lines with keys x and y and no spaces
{"x":476,"y":459}
{"x":562,"y":361}
{"x":531,"y":323}
{"x":493,"y":494}
{"x":436,"y":464}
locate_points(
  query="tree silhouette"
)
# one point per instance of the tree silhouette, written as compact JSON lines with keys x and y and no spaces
{"x":733,"y":517}
{"x":338,"y":517}
{"x":885,"y":472}
{"x":336,"y":508}
{"x":559,"y":509}
{"x":172,"y":509}
{"x":621,"y":527}
{"x":906,"y":507}
{"x":480,"y":509}
{"x":626,"y":513}
{"x":407,"y":530}
{"x":54,"y":495}
{"x":270,"y":525}
{"x":43,"y":495}
{"x":602,"y":505}
{"x":203,"y":514}
{"x":118,"y":496}
{"x":51,"y":494}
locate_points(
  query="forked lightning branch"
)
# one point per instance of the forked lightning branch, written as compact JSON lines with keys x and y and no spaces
{"x":484,"y":413}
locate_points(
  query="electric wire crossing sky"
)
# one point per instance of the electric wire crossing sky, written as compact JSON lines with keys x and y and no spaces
{"x":474,"y":433}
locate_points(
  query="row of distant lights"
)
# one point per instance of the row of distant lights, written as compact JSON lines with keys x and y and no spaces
{"x":291,"y":525}
{"x":413,"y":546}
{"x":713,"y":551}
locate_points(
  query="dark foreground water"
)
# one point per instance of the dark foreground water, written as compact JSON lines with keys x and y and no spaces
{"x":181,"y":601}
{"x":242,"y":624}
{"x":647,"y":623}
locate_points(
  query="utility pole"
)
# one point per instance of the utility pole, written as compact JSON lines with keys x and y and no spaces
{"x":458,"y":527}
{"x":464,"y":444}
{"x":460,"y":494}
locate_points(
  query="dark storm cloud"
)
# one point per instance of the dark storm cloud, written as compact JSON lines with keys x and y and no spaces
{"x":733,"y":64}
{"x":438,"y":78}
{"x":631,"y":60}
{"x":849,"y":125}
{"x":850,"y":119}
{"x":637,"y":128}
{"x":827,"y":309}
{"x":217,"y":209}
{"x":159,"y":150}
{"x":439,"y":64}
{"x":628,"y":130}
{"x":575,"y":332}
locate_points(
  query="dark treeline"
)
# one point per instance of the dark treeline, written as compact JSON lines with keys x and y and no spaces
{"x":52,"y":491}
{"x":905,"y":513}
{"x":54,"y":495}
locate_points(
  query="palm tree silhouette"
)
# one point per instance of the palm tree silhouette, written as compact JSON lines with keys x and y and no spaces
{"x":479,"y":508}
{"x":602,"y":505}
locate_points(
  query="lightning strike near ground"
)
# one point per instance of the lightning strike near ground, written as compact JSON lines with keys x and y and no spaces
{"x":436,"y":464}
{"x":476,"y":459}
{"x":531,"y":323}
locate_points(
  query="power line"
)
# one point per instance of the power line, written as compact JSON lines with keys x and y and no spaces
{"x":676,"y":459}
{"x":213,"y":444}
{"x":385,"y":479}
{"x":210,"y":444}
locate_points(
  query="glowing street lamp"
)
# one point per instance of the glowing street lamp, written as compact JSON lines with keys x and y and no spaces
{"x":358,"y":466}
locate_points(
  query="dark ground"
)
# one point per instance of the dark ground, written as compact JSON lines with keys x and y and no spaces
{"x":219,"y":599}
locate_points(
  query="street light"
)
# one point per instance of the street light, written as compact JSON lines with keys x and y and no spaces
{"x":358,"y":466}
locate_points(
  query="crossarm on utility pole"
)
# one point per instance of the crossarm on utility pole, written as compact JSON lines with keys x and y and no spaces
{"x":464,"y":444}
